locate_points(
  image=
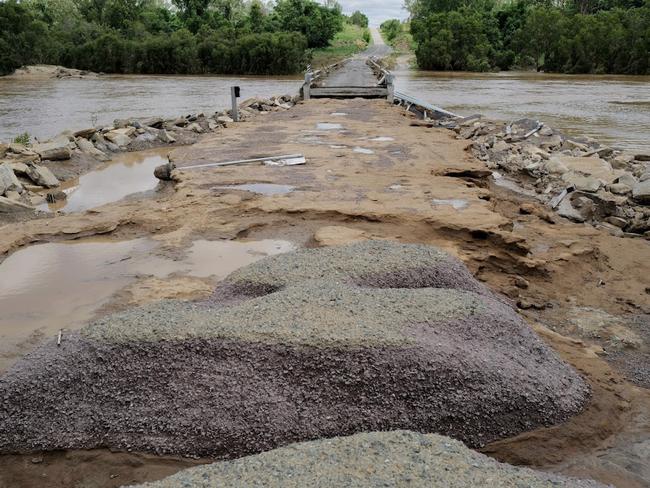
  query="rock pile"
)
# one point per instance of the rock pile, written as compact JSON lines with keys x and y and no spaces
{"x":25,"y":176}
{"x":311,"y":344}
{"x":398,"y":458}
{"x":579,"y":178}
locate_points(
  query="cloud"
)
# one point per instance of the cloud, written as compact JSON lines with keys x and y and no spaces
{"x":377,"y":10}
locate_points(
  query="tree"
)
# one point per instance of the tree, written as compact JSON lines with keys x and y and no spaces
{"x":358,"y":18}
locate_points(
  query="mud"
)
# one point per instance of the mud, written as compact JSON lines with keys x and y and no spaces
{"x":565,"y":265}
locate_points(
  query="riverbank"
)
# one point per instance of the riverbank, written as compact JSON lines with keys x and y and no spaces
{"x":370,"y":175}
{"x":33,"y":173}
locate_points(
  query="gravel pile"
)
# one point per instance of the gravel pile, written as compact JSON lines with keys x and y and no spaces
{"x":377,"y":459}
{"x":331,"y":352}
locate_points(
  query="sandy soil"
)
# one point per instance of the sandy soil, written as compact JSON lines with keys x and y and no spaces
{"x":555,"y":271}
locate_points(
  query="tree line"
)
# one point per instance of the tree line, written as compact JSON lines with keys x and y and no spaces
{"x":151,"y":36}
{"x":565,"y":36}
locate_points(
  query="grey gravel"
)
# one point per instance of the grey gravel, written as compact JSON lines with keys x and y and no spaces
{"x":358,"y":345}
{"x":378,"y":459}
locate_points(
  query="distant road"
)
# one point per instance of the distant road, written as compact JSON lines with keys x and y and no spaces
{"x":356,"y":72}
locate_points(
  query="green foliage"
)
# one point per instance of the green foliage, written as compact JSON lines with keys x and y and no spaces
{"x":347,"y":42}
{"x":358,"y":18}
{"x":147,"y":36}
{"x":390,"y":29}
{"x":23,"y":139}
{"x":582,"y":36}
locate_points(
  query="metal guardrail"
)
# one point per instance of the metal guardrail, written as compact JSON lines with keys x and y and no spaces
{"x":407,"y":99}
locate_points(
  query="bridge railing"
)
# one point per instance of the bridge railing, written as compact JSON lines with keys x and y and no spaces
{"x":384,"y":76}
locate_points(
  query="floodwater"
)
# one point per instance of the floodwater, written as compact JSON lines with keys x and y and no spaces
{"x":613,"y":109}
{"x":47,"y":287}
{"x":126,"y":174}
{"x":46,"y":107}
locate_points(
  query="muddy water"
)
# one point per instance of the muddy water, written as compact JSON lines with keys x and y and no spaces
{"x":46,"y":107}
{"x":612,"y":109}
{"x":51,"y":286}
{"x":126,"y":174}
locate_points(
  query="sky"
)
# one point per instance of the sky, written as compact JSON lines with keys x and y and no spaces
{"x":376,"y":10}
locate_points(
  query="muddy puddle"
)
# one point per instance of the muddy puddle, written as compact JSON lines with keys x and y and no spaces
{"x":456,"y":204}
{"x":328,"y":126}
{"x":268,"y":189}
{"x":54,"y":286}
{"x":126,"y":174}
{"x":363,"y":150}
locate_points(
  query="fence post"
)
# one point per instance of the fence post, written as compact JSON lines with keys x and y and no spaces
{"x":234,"y":93}
{"x":306,"y":86}
{"x":390,"y":86}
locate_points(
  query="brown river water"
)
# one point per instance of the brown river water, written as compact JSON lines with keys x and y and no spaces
{"x":613,"y":109}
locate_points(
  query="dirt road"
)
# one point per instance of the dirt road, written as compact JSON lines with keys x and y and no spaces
{"x":370,"y":175}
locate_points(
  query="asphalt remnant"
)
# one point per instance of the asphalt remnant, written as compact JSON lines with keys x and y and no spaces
{"x":398,"y":458}
{"x":311,"y":344}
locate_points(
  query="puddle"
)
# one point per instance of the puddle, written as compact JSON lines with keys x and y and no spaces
{"x":339,"y":114}
{"x":328,"y":126}
{"x":47,"y":287}
{"x":337,"y":146}
{"x":382,"y":139}
{"x":395,"y":187}
{"x":363,"y":150}
{"x":456,"y":204}
{"x":128,"y":173}
{"x":261,"y":188}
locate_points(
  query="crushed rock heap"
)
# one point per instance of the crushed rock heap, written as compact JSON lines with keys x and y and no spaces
{"x":310,"y":344}
{"x":397,"y":458}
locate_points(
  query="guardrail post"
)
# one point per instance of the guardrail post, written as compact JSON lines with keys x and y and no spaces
{"x":306,"y":86}
{"x":391,"y":87}
{"x":234,"y":93}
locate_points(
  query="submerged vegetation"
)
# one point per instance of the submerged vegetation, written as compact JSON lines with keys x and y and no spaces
{"x":567,"y":36}
{"x":150,"y":36}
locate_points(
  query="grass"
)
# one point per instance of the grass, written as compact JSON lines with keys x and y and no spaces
{"x":23,"y":139}
{"x":345,"y":44}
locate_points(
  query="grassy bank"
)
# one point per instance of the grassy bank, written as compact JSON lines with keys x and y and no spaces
{"x":351,"y":40}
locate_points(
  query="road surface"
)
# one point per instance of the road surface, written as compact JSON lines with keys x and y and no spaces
{"x":356,"y":72}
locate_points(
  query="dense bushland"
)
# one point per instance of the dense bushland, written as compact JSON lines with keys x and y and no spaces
{"x":148,"y":36}
{"x":568,"y":36}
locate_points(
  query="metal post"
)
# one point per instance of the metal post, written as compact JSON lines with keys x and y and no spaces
{"x":306,"y":86}
{"x":390,"y":86}
{"x":234,"y":92}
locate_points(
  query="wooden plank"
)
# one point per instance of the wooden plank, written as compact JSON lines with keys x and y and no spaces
{"x":349,"y":92}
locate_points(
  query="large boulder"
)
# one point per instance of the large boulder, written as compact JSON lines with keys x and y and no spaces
{"x":8,"y":205}
{"x":88,"y":147}
{"x":42,"y":176}
{"x":369,"y":460}
{"x":310,"y":344}
{"x":120,"y":137}
{"x":8,"y":180}
{"x":55,"y":150}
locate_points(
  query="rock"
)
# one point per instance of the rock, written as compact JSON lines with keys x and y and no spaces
{"x":164,"y":171}
{"x":19,"y":168}
{"x":195,"y":128}
{"x":619,"y":189}
{"x":571,"y":144}
{"x":12,"y":195}
{"x":88,"y":147}
{"x":368,"y":460}
{"x":582,"y":183}
{"x":642,"y":157}
{"x":55,"y":150}
{"x":42,"y":176}
{"x":554,"y":166}
{"x":523,"y":126}
{"x":120,"y":137}
{"x":155,"y":122}
{"x":501,"y":146}
{"x":8,"y":180}
{"x":10,"y":206}
{"x":534,"y":151}
{"x":521,"y":282}
{"x":571,"y":211}
{"x":56,"y":196}
{"x":641,"y":192}
{"x":224,"y":119}
{"x":550,"y":143}
{"x":622,"y":161}
{"x":310,"y":344}
{"x":4,"y":149}
{"x":616,"y":221}
{"x":85,"y":133}
{"x":166,"y":136}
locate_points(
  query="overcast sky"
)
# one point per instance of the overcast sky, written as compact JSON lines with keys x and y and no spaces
{"x":376,"y":10}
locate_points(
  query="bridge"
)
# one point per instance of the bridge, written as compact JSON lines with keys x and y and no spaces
{"x":365,"y":76}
